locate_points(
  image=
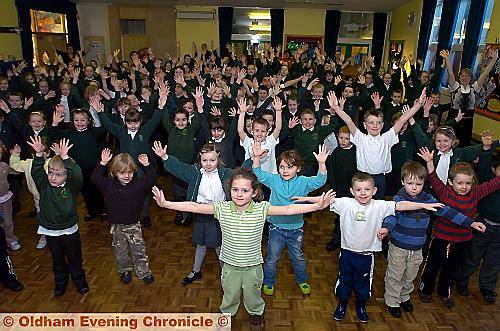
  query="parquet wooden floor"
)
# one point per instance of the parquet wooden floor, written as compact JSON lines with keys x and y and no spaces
{"x":171,"y":255}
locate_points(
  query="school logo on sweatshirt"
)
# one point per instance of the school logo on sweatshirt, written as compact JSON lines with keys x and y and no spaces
{"x":141,"y":137}
{"x":360,"y":216}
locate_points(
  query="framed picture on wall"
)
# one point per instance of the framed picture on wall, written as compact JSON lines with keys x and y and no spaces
{"x":93,"y":45}
{"x":396,"y":50}
{"x":488,"y":102}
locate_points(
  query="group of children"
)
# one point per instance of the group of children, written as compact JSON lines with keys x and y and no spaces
{"x":232,"y":124}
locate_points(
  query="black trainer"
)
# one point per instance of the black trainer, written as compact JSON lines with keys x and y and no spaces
{"x":394,"y":311}
{"x":332,"y":245}
{"x":189,"y":280}
{"x":339,"y":313}
{"x":59,"y":290}
{"x":146,"y":221}
{"x":448,"y":302}
{"x":406,"y":306}
{"x":126,"y":277}
{"x":88,"y":218}
{"x":84,"y":288}
{"x":14,"y":285}
{"x":463,"y":290}
{"x":178,"y":218}
{"x":488,"y":296}
{"x":148,"y":279}
{"x":187,"y":219}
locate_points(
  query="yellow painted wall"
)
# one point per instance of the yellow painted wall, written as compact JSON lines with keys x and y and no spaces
{"x":197,"y":30}
{"x":306,"y":22}
{"x":10,"y":43}
{"x":400,"y":30}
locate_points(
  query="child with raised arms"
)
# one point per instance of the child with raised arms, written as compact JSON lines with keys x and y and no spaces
{"x":241,"y":221}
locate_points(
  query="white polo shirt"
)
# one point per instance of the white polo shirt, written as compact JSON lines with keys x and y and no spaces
{"x":373,"y":154}
{"x":269,"y":162}
{"x":359,"y":224}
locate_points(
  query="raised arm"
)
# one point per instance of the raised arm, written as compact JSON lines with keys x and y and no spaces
{"x":277,"y":105}
{"x":451,"y":76}
{"x":486,"y":72}
{"x":242,"y":108}
{"x":339,"y":110}
{"x":187,"y":206}
{"x":408,"y":114}
{"x":293,"y":209}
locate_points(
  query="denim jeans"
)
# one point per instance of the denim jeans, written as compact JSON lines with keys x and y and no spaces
{"x":277,"y":240}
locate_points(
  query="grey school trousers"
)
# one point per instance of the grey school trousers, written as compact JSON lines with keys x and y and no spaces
{"x":402,"y":269}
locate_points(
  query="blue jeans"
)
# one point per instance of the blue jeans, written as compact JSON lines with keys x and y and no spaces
{"x":276,"y":241}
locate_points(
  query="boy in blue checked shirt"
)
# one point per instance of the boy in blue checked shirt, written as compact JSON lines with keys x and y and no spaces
{"x":407,"y":234}
{"x":287,"y":230}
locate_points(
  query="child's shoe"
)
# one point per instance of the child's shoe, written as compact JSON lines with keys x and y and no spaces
{"x":257,"y":322}
{"x":148,"y":279}
{"x":42,"y":243}
{"x":407,"y":306}
{"x":339,"y":313}
{"x":126,"y":277}
{"x":489,"y":296}
{"x":305,"y":288}
{"x":425,"y":298}
{"x":32,"y":213}
{"x":187,"y":219}
{"x":361,"y":311}
{"x":332,"y":245}
{"x":178,"y":218}
{"x":59,"y":290}
{"x":104,"y":216}
{"x":15,"y":246}
{"x":394,"y":311}
{"x":84,"y":288}
{"x":88,"y":218}
{"x":189,"y":279}
{"x":268,"y":289}
{"x":448,"y":302}
{"x":14,"y":285}
{"x":463,"y":290}
{"x":146,"y":221}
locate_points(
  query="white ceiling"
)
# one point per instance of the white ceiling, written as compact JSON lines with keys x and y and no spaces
{"x":350,"y":5}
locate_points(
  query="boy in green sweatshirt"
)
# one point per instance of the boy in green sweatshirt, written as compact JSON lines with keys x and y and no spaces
{"x":58,"y":218}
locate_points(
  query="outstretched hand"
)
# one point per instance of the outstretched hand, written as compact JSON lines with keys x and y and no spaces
{"x":159,"y":197}
{"x":322,"y":154}
{"x":106,"y":156}
{"x":160,"y":150}
{"x":425,"y":154}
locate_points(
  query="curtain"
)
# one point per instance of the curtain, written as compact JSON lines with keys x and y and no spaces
{"x":378,"y":39}
{"x":277,"y":25}
{"x":55,"y":6}
{"x":473,"y":32}
{"x":426,"y":20}
{"x":332,"y":28}
{"x":446,"y":28}
{"x":225,"y":29}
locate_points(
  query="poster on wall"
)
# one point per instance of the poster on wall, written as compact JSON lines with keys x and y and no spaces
{"x":488,"y":102}
{"x":94,"y":48}
{"x":396,"y":51}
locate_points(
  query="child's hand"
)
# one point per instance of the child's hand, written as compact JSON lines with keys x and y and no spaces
{"x":36,"y":144}
{"x":143,"y":159}
{"x":425,"y":154}
{"x":64,"y":148}
{"x":106,"y":156}
{"x":311,"y":84}
{"x":232,"y":112}
{"x":433,"y":206}
{"x":405,"y":109}
{"x":487,"y":139}
{"x":28,"y":102}
{"x":361,"y":80}
{"x":326,"y":199}
{"x":4,"y":106}
{"x":294,"y":121}
{"x":97,"y":105}
{"x":478,"y":226}
{"x":242,"y":105}
{"x":55,"y":148}
{"x":377,"y":99}
{"x":322,"y":154}
{"x":277,"y":104}
{"x":332,"y":100}
{"x":421,"y":100}
{"x":57,"y":116}
{"x":16,"y":150}
{"x":427,"y":106}
{"x":316,"y":105}
{"x":215,"y":111}
{"x":445,"y":54}
{"x":381,"y":233}
{"x":198,"y":96}
{"x":159,"y":150}
{"x":337,"y":80}
{"x":159,"y":197}
{"x":258,"y":152}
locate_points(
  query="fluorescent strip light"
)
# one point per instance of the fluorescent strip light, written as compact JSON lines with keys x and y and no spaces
{"x":259,"y":16}
{"x":260,"y":28}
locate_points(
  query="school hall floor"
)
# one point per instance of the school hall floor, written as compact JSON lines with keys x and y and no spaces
{"x":171,"y":257}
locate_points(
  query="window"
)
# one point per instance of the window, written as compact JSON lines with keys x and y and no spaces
{"x":46,"y":28}
{"x":130,"y":26}
{"x":458,"y":35}
{"x":482,"y":38}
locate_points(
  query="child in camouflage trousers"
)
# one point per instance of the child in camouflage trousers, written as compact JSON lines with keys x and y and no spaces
{"x":124,"y":195}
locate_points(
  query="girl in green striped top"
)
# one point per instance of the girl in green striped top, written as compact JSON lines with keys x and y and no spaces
{"x":241,"y":221}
